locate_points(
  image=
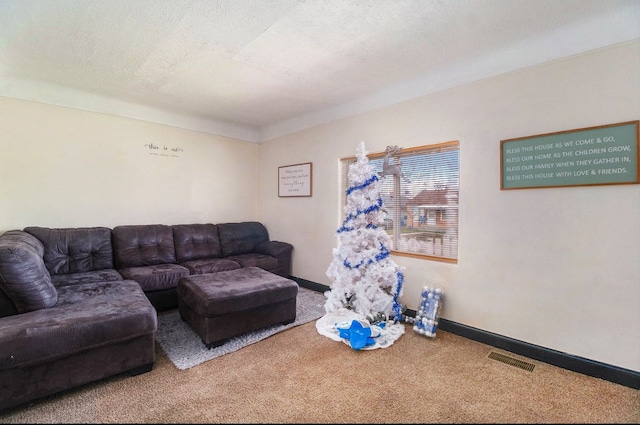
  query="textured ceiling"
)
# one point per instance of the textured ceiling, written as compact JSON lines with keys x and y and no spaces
{"x":256,"y":69}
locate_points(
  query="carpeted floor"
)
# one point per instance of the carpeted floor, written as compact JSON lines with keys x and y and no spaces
{"x":301,"y":376}
{"x":185,"y":349}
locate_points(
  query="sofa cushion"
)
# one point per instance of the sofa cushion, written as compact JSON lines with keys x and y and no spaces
{"x":196,"y":241}
{"x":156,"y":278}
{"x":210,"y":265}
{"x":86,"y":316}
{"x":241,"y":238}
{"x":23,"y":276}
{"x":20,"y":236}
{"x":263,"y":261}
{"x":75,"y":250}
{"x":143,"y":245}
{"x":107,"y":275}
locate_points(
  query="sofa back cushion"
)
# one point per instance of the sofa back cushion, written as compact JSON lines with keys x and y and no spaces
{"x":24,"y":279}
{"x":143,"y":245}
{"x":196,"y":242}
{"x":75,"y":250}
{"x":241,"y":238}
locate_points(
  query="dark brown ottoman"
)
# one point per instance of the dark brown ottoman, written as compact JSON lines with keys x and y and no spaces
{"x":225,"y":304}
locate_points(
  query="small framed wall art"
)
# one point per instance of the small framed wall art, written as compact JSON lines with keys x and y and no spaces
{"x":295,"y":180}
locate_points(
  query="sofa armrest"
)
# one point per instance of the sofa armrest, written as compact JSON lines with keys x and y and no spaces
{"x":24,"y":278}
{"x":274,"y":248}
{"x":282,"y":251}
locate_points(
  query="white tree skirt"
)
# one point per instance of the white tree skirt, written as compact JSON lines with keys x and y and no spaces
{"x":328,"y":326}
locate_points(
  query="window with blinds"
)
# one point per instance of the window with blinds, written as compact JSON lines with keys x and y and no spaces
{"x":419,"y":191}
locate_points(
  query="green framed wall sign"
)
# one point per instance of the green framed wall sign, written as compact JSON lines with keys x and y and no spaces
{"x":602,"y":155}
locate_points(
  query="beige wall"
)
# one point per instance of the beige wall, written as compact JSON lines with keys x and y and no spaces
{"x":554,"y":267}
{"x":62,"y":167}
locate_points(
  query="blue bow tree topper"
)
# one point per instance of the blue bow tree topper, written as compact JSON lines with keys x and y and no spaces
{"x":359,"y":334}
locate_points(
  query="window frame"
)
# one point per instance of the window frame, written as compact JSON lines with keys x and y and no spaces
{"x":454,"y":190}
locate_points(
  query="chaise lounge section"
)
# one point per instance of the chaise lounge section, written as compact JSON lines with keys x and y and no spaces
{"x":57,"y":336}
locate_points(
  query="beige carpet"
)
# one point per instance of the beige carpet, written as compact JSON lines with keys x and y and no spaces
{"x":301,"y":376}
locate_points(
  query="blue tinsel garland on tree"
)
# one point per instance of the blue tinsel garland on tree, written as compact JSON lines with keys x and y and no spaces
{"x":384,"y":251}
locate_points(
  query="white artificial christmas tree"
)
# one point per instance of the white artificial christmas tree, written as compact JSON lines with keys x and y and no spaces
{"x":366,"y":281}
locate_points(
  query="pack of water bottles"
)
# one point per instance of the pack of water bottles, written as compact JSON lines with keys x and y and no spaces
{"x":426,"y":321}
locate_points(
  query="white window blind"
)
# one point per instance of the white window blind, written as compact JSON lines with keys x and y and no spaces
{"x":422,"y":202}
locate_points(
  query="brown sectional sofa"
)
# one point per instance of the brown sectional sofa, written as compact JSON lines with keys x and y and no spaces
{"x":157,"y":256}
{"x":80,"y":304}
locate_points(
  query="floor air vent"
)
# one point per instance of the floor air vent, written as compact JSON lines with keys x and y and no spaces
{"x":511,"y":361}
